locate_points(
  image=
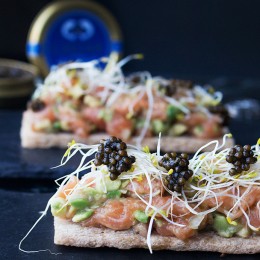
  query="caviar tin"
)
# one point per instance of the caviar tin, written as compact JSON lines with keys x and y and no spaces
{"x":67,"y":31}
{"x":16,"y":82}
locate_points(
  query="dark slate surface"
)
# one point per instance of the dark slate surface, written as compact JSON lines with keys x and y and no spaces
{"x":19,"y":211}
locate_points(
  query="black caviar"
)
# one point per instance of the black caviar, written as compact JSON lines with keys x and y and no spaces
{"x":222,"y":111}
{"x":112,"y":152}
{"x":36,"y":105}
{"x":241,"y":158}
{"x":179,"y":165}
{"x":171,"y":87}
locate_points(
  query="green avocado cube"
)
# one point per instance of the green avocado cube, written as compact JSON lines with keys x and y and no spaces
{"x":141,"y":216}
{"x":172,"y":112}
{"x":79,"y":203}
{"x":113,"y":194}
{"x":223,"y":228}
{"x":158,"y":126}
{"x":82,"y":215}
{"x":58,"y":208}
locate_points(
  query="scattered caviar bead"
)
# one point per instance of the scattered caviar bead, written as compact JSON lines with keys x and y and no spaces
{"x":238,"y":155}
{"x":113,"y":176}
{"x":112,"y":152}
{"x":132,"y":158}
{"x":237,"y":163}
{"x":222,"y":111}
{"x":112,"y":139}
{"x":112,"y":161}
{"x":238,"y":169}
{"x":182,"y":163}
{"x":241,"y":157}
{"x":105,"y":160}
{"x":245,"y":167}
{"x":184,"y":155}
{"x":180,"y":167}
{"x":122,"y":146}
{"x":246,"y":153}
{"x":232,"y":151}
{"x":122,"y":152}
{"x":177,"y":188}
{"x":248,"y":160}
{"x":127,"y":160}
{"x":101,"y":147}
{"x":108,"y":150}
{"x":229,"y":158}
{"x":118,"y":157}
{"x":232,"y":172}
{"x":97,"y":162}
{"x":99,"y":156}
{"x":247,"y":147}
{"x":181,"y":181}
{"x":37,"y":105}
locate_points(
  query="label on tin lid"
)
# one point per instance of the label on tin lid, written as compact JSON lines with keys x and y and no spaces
{"x":69,"y":31}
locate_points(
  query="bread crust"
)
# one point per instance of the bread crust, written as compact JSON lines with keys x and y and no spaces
{"x":71,"y":234}
{"x":31,"y":139}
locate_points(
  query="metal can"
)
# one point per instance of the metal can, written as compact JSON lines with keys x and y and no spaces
{"x":67,"y":31}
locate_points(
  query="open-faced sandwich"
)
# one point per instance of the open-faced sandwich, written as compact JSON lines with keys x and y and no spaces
{"x":131,"y":198}
{"x":85,"y":102}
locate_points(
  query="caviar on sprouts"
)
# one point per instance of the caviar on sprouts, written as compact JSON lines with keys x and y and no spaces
{"x":112,"y":152}
{"x":178,"y":170}
{"x":241,"y":158}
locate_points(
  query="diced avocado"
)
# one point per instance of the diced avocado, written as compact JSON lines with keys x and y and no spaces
{"x":223,"y":228}
{"x":113,"y":194}
{"x":177,"y":129}
{"x":158,"y":126}
{"x":58,"y":208}
{"x":82,"y":215}
{"x":110,"y":185}
{"x":79,"y":203}
{"x":57,"y":126}
{"x":91,"y":194}
{"x":139,"y":123}
{"x":244,"y":232}
{"x":106,"y":115}
{"x":141,"y":216}
{"x":198,"y":130}
{"x":172,"y":112}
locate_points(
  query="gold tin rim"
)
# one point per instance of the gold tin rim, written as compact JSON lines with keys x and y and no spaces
{"x":17,"y":87}
{"x":44,"y":18}
{"x":31,"y":69}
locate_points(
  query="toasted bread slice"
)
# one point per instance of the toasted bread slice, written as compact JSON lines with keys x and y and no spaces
{"x":71,"y":234}
{"x":31,"y":139}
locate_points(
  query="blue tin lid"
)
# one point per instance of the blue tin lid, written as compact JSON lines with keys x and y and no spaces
{"x":72,"y":30}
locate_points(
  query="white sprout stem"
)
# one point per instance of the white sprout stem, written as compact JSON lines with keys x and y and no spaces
{"x":148,"y":114}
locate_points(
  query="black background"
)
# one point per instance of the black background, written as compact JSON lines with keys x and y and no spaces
{"x":178,"y":37}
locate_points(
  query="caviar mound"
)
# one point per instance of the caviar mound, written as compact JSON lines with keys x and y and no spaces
{"x":36,"y":105}
{"x":241,"y":158}
{"x":179,"y":172}
{"x":113,"y":153}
